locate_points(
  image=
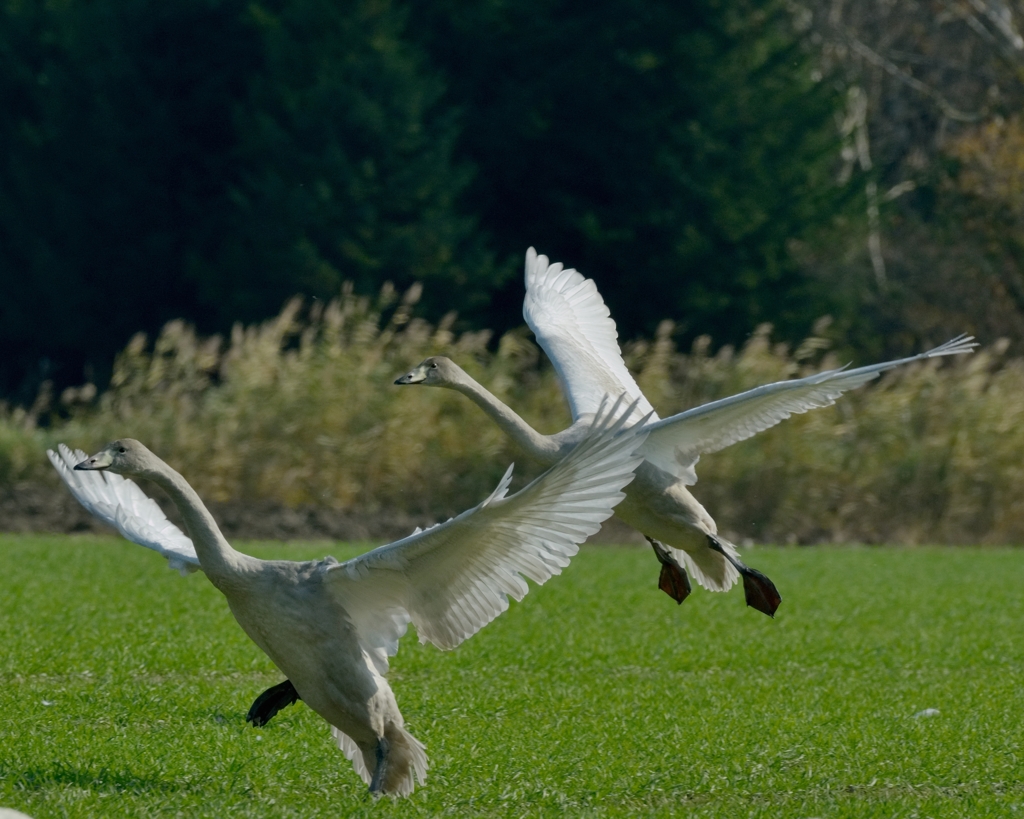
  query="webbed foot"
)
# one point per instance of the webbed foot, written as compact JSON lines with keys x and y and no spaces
{"x":759,"y":591}
{"x":270,"y":702}
{"x":673,"y":579}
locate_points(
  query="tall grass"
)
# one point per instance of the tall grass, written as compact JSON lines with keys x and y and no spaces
{"x":301,"y":410}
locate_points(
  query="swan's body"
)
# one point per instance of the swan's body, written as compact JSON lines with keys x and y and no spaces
{"x":331,"y":626}
{"x":573,"y":326}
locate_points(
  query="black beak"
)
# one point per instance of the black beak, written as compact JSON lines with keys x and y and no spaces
{"x":414,"y":376}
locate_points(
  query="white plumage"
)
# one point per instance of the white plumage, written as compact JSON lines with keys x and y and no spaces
{"x":675,"y":444}
{"x":118,"y":502}
{"x":330,"y":626}
{"x":574,"y":327}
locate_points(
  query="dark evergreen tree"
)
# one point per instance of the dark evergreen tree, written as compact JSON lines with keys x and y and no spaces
{"x":673,"y":151}
{"x":209,"y":159}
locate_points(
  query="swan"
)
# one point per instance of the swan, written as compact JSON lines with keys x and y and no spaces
{"x":574,"y":327}
{"x":331,"y":626}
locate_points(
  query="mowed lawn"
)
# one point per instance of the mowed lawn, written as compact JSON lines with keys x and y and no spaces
{"x":123,"y":690}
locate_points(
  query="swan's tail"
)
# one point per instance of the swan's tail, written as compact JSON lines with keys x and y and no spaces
{"x":407,"y":760}
{"x":708,"y":567}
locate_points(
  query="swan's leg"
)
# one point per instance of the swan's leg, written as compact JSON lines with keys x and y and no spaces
{"x":673,"y":580}
{"x":760,"y":592}
{"x":270,"y":702}
{"x":380,"y":772}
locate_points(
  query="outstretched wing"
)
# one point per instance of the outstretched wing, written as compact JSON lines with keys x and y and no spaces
{"x":118,"y":502}
{"x":675,"y":444}
{"x":575,"y":329}
{"x":453,"y":579}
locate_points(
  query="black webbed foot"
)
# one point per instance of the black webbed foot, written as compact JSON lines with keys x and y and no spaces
{"x":270,"y":702}
{"x":673,"y":579}
{"x":759,"y":591}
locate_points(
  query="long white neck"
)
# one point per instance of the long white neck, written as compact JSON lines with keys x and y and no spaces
{"x":543,"y":447}
{"x":218,"y":560}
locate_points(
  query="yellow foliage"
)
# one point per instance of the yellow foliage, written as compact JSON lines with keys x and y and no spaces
{"x":992,"y":157}
{"x":302,"y":410}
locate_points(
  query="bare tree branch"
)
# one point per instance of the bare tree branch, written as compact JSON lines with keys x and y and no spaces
{"x":894,"y":70}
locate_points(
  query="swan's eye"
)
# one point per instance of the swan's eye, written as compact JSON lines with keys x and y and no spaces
{"x":433,"y":366}
{"x":122,"y":450}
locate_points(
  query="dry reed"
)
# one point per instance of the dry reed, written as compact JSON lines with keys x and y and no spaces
{"x":301,"y":410}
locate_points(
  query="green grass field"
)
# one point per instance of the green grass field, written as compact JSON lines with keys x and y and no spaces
{"x":123,"y":689}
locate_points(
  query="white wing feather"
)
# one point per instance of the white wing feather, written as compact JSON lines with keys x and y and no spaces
{"x":575,"y":329}
{"x":675,"y":444}
{"x":118,"y":502}
{"x":453,"y":579}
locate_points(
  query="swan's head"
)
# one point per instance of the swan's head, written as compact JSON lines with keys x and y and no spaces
{"x":436,"y":371}
{"x":125,"y":457}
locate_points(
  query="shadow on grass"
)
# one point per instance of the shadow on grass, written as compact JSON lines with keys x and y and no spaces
{"x":102,"y":779}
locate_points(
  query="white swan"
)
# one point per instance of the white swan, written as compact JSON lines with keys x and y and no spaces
{"x":330,"y":626}
{"x":573,"y":326}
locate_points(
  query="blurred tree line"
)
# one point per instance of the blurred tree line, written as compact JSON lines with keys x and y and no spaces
{"x":210,"y":158}
{"x":931,"y":119}
{"x":206,"y":159}
{"x":719,"y":162}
